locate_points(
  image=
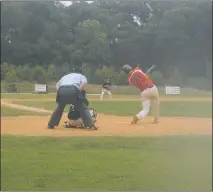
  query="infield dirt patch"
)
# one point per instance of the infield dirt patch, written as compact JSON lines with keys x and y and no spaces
{"x":109,"y":126}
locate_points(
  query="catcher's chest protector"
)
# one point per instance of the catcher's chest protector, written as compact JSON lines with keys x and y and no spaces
{"x":73,"y":114}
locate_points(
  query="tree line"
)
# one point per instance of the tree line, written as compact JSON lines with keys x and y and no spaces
{"x":13,"y":75}
{"x":49,"y":38}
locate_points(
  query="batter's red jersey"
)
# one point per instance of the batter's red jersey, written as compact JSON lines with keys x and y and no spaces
{"x":139,"y":79}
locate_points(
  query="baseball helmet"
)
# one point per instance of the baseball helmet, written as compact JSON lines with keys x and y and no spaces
{"x":127,"y":69}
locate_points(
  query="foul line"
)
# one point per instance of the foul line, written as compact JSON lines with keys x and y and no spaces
{"x":25,"y":108}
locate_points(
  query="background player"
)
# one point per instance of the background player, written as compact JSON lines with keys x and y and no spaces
{"x":106,"y":88}
{"x":149,"y":92}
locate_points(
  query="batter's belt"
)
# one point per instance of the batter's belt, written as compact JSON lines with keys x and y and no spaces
{"x":150,"y":86}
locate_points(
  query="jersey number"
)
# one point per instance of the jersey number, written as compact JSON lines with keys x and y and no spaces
{"x":136,"y":79}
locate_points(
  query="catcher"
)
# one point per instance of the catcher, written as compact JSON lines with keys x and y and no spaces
{"x":149,"y":92}
{"x":106,"y":88}
{"x":75,"y":120}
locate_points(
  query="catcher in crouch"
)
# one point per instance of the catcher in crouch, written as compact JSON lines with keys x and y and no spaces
{"x":149,"y":92}
{"x":75,"y":120}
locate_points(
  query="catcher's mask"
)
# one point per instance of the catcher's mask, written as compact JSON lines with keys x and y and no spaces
{"x":93,"y":113}
{"x":127,"y":69}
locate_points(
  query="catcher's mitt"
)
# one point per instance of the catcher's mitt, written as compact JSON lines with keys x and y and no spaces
{"x":68,"y":124}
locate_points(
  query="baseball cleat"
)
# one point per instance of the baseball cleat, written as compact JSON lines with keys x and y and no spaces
{"x":92,"y":128}
{"x":69,"y":125}
{"x":50,"y":127}
{"x":135,"y":120}
{"x":155,"y":120}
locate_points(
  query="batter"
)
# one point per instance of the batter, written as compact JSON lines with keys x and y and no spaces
{"x":149,"y":92}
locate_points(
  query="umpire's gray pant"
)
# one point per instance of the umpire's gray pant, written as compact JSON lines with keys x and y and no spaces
{"x":69,"y":95}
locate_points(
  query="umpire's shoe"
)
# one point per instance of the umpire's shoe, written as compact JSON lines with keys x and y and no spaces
{"x":50,"y":127}
{"x":92,"y":128}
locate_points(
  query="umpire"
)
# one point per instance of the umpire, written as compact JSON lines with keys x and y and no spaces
{"x":69,"y":91}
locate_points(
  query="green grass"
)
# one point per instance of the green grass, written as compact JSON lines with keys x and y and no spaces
{"x":28,"y":87}
{"x":129,"y":108}
{"x":7,"y":111}
{"x":121,"y":91}
{"x":106,"y":163}
{"x":168,"y":108}
{"x":115,"y":96}
{"x":27,"y":96}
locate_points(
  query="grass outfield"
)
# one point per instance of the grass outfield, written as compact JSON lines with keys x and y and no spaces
{"x":174,"y":163}
{"x":167,"y":108}
{"x":106,"y":163}
{"x":7,"y":111}
{"x":27,"y":87}
{"x":125,"y":94}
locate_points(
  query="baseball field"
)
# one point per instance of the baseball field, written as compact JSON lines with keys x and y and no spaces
{"x":175,"y":154}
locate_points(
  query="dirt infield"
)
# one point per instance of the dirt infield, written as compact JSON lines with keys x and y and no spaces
{"x":109,"y":125}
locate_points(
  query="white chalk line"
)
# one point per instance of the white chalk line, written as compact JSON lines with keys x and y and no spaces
{"x":26,"y":108}
{"x":34,"y":109}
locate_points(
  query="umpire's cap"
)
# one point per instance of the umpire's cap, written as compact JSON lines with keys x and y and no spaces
{"x":127,"y":69}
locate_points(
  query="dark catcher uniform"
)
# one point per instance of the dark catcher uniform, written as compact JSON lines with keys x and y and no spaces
{"x":75,"y":120}
{"x":69,"y":92}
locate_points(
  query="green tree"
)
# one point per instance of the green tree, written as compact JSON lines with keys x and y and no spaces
{"x":39,"y":75}
{"x":157,"y":78}
{"x":24,"y":73}
{"x":11,"y":81}
{"x":4,"y":70}
{"x":108,"y":33}
{"x":52,"y":74}
{"x":175,"y":78}
{"x":103,"y":74}
{"x":91,"y":45}
{"x":121,"y":78}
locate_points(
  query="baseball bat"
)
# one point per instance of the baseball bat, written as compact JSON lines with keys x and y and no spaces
{"x":150,"y":69}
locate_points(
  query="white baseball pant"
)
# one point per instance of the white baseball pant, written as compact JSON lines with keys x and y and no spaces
{"x":150,"y":96}
{"x":105,"y":91}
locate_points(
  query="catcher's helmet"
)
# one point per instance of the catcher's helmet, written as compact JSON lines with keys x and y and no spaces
{"x":127,"y":69}
{"x":93,"y":113}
